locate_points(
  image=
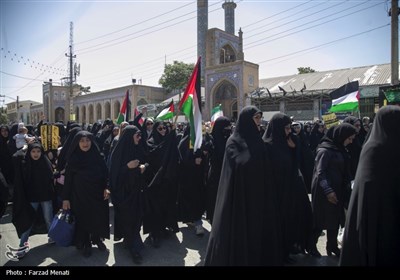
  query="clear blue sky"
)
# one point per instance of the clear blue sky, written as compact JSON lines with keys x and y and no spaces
{"x":115,"y":41}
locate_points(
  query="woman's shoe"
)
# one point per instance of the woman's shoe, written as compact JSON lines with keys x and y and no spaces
{"x":334,"y":250}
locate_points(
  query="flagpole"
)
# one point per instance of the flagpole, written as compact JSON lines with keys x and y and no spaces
{"x":176,"y":116}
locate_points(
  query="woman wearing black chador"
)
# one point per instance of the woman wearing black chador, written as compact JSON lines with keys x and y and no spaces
{"x":331,"y":177}
{"x":221,"y":131}
{"x":85,"y":192}
{"x":372,"y":232}
{"x":293,"y":203}
{"x":127,"y":183}
{"x":244,"y":230}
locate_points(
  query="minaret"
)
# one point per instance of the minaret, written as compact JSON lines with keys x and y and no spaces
{"x":229,"y":7}
{"x":202,"y":27}
{"x":240,"y":55}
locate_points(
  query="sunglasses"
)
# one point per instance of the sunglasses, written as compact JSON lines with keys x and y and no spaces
{"x":149,"y":123}
{"x":161,"y":128}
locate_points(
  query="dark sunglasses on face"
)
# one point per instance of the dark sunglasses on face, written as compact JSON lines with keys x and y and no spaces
{"x":149,"y":123}
{"x":161,"y":128}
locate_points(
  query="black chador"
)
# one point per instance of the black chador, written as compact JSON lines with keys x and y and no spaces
{"x":191,"y":181}
{"x":220,"y":133}
{"x":372,"y":232}
{"x":86,"y":178}
{"x":161,"y":193}
{"x":33,"y":183}
{"x":244,"y":230}
{"x":126,"y":185}
{"x":293,"y":203}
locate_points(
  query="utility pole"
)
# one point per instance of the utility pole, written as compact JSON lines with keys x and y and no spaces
{"x":394,"y":12}
{"x":71,"y":57}
{"x":17,"y":108}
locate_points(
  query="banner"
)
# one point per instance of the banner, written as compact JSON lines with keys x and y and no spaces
{"x":330,"y":120}
{"x":50,"y":137}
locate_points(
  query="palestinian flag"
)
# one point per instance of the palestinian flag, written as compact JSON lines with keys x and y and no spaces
{"x":345,"y":98}
{"x":136,"y":114}
{"x":190,"y":105}
{"x":125,"y":109}
{"x":216,"y":112}
{"x":167,"y":112}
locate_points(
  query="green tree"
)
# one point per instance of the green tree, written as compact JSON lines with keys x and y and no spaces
{"x":3,"y":118}
{"x":304,"y":70}
{"x":176,"y":76}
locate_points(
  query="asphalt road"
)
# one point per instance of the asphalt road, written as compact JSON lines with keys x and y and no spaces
{"x":178,"y":250}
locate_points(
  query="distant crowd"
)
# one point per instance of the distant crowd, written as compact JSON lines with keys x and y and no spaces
{"x":252,"y":180}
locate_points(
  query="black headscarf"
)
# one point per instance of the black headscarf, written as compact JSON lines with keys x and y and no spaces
{"x":336,"y":135}
{"x":220,"y":135}
{"x":6,"y":157}
{"x":89,"y":163}
{"x":41,"y":166}
{"x":275,"y":132}
{"x":156,"y":138}
{"x":246,"y":130}
{"x":62,"y":160}
{"x":373,"y":221}
{"x":124,"y":151}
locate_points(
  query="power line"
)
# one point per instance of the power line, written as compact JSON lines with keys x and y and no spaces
{"x":25,"y":78}
{"x":324,"y":44}
{"x":247,"y":25}
{"x":278,"y":14}
{"x":130,"y":26}
{"x":125,"y":39}
{"x":304,"y":29}
{"x":286,"y":23}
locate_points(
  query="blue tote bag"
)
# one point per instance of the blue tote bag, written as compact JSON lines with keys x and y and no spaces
{"x":62,"y":228}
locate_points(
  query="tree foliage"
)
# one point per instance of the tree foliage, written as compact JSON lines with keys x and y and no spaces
{"x":176,"y":76}
{"x":304,"y":70}
{"x":3,"y":118}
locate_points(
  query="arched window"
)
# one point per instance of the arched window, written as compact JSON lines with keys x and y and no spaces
{"x":227,"y":54}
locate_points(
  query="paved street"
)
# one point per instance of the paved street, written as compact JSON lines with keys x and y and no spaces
{"x":182,"y":249}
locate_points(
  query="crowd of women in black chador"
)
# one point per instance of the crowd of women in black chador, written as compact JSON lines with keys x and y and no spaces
{"x":253,"y":187}
{"x":372,"y":230}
